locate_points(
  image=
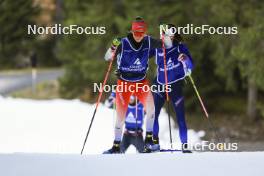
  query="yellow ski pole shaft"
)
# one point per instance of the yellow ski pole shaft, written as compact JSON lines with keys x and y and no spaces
{"x":198,"y":95}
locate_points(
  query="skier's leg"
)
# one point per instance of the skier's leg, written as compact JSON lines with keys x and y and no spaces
{"x":138,"y":142}
{"x":178,"y":105}
{"x":145,"y":97}
{"x":122,"y":100}
{"x":159,"y":100}
{"x":125,"y":143}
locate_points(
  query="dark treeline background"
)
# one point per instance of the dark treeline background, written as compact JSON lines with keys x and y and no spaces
{"x":228,"y":70}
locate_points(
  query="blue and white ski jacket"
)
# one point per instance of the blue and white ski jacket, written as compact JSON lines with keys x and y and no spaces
{"x":175,"y":68}
{"x":133,"y":61}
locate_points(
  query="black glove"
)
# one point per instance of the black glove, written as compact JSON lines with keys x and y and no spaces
{"x":117,"y":73}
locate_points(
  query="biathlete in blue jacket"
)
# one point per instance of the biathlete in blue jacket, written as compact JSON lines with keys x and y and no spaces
{"x":179,"y":65}
{"x":133,"y":124}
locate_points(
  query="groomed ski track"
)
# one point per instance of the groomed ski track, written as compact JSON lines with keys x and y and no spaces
{"x":157,"y":164}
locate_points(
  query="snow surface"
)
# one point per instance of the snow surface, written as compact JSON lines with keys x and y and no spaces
{"x":60,"y":126}
{"x":44,"y":138}
{"x":162,"y":164}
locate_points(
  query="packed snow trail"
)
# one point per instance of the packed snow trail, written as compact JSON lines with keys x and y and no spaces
{"x":59,"y":126}
{"x":33,"y":127}
{"x":205,"y":164}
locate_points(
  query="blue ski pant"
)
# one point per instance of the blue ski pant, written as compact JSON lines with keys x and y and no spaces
{"x":177,"y":99}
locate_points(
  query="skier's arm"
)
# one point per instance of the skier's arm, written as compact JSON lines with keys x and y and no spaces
{"x":185,"y":54}
{"x":182,"y":48}
{"x":185,"y":58}
{"x":111,"y":100}
{"x":114,"y":49}
{"x":155,"y":43}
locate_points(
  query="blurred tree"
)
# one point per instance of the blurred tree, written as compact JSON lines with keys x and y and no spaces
{"x":83,"y":54}
{"x":248,"y":51}
{"x":87,"y":51}
{"x":238,"y":57}
{"x":14,"y":40}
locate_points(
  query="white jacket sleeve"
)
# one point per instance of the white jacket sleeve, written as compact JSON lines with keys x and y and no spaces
{"x":167,"y":41}
{"x":109,"y":54}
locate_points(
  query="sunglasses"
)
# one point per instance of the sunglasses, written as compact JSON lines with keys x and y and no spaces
{"x":138,"y":34}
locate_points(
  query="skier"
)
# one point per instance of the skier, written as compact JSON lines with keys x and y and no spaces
{"x":179,"y":64}
{"x":110,"y":102}
{"x":132,"y":53}
{"x":133,"y":124}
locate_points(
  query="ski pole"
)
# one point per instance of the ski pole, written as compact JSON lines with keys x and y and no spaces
{"x":136,"y":119}
{"x":166,"y":86}
{"x":168,"y":106}
{"x":114,"y":112}
{"x":136,"y":114}
{"x":98,"y":100}
{"x":198,"y":95}
{"x":203,"y":107}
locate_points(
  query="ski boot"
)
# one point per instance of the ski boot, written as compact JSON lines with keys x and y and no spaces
{"x":185,"y":148}
{"x":115,"y":149}
{"x":155,"y":147}
{"x":148,"y":143}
